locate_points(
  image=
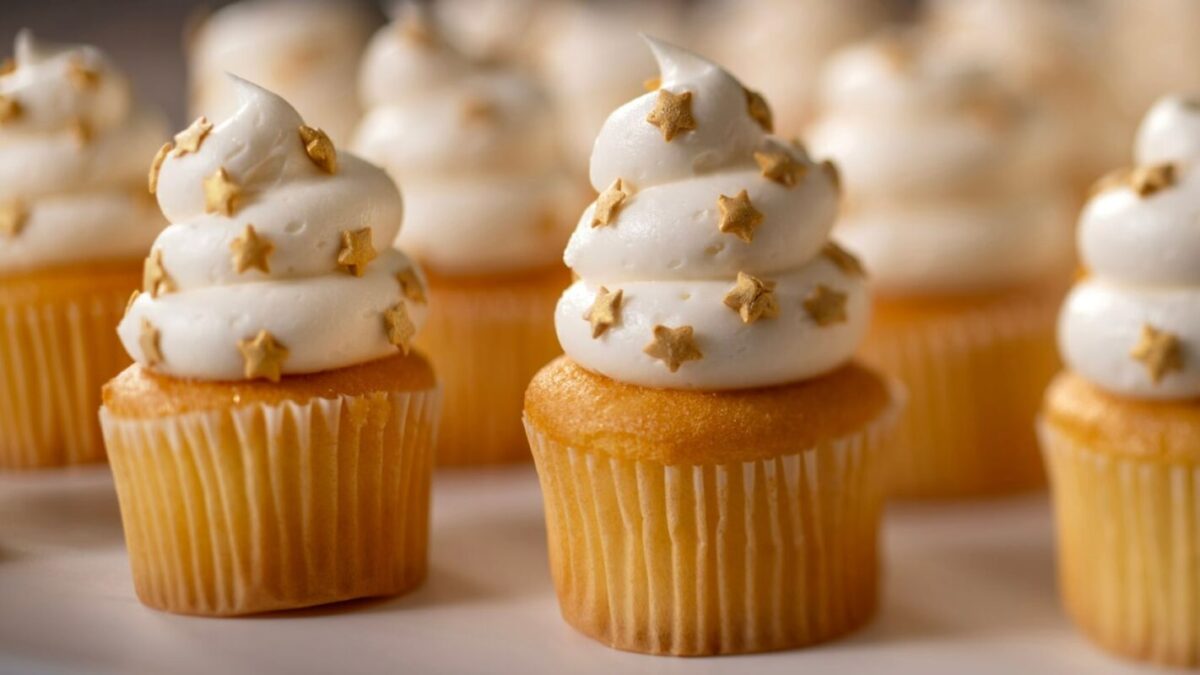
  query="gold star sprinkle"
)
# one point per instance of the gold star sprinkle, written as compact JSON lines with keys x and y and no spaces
{"x":357,"y":251}
{"x":825,"y":306}
{"x":148,"y":340}
{"x":1146,"y":180}
{"x":609,"y":203}
{"x":400,"y":328}
{"x":132,"y":299}
{"x":752,"y":298}
{"x":263,"y":356}
{"x":189,"y":139}
{"x":832,"y":173}
{"x":82,"y":75}
{"x":13,"y":215}
{"x":251,"y":250}
{"x":10,"y":109}
{"x":410,"y":285}
{"x":652,"y":83}
{"x":778,"y":165}
{"x":319,"y":148}
{"x":156,"y":166}
{"x":672,"y":113}
{"x":416,"y":29}
{"x":155,"y":279}
{"x":1159,"y":351}
{"x":7,"y":67}
{"x":81,"y":130}
{"x":674,"y":346}
{"x":759,"y":111}
{"x":477,"y":110}
{"x":844,"y":260}
{"x":738,"y":216}
{"x":605,"y":311}
{"x":221,"y":194}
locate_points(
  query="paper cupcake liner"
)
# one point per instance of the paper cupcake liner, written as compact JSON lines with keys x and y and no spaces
{"x":975,"y":381}
{"x":486,"y":343}
{"x":270,"y":507}
{"x":56,"y":351}
{"x":1128,"y":546}
{"x":715,"y":559}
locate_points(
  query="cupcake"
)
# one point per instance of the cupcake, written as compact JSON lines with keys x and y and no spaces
{"x":961,"y":219}
{"x":75,"y":223}
{"x":1120,"y":428}
{"x":508,"y":30}
{"x":307,"y":50}
{"x":709,"y":453}
{"x":488,"y":209}
{"x":272,"y":445}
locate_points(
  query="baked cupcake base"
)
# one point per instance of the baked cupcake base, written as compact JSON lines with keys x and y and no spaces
{"x":250,"y":497}
{"x":1126,"y":481}
{"x":693,"y":523}
{"x":487,"y":336}
{"x":58,"y":346}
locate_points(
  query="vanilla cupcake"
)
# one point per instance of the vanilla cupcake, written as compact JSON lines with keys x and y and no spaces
{"x":488,"y":210}
{"x":307,"y":50}
{"x":960,"y":217}
{"x":272,"y":445}
{"x":1121,"y":426}
{"x":709,"y":453}
{"x":74,"y":224}
{"x":508,"y":30}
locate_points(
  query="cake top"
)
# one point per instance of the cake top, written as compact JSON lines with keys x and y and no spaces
{"x":277,"y":259}
{"x":705,"y":261}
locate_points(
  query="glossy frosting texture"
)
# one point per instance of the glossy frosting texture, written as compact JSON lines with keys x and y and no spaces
{"x":326,"y":302}
{"x":73,"y":151}
{"x":664,"y":250}
{"x":1141,"y":242}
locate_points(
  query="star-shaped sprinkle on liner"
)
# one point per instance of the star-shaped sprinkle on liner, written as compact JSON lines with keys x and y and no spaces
{"x":759,"y":111}
{"x":80,"y":130}
{"x":605,"y":310}
{"x":319,"y":148}
{"x":609,"y":203}
{"x":674,"y":346}
{"x":845,"y":261}
{"x":251,"y":250}
{"x":738,"y":216}
{"x":399,"y":327}
{"x":263,"y":356}
{"x":652,"y":83}
{"x":82,"y":75}
{"x":7,"y":67}
{"x":10,"y":109}
{"x":1159,"y":351}
{"x":357,"y":251}
{"x":825,"y":306}
{"x":13,"y":215}
{"x":672,"y":114}
{"x":1146,"y":180}
{"x":155,"y":279}
{"x":778,"y":165}
{"x":478,"y":110}
{"x":832,"y":173}
{"x":156,"y":166}
{"x":148,"y":340}
{"x":189,"y":139}
{"x":132,"y":299}
{"x":752,"y":298}
{"x":221,"y":194}
{"x":410,"y":285}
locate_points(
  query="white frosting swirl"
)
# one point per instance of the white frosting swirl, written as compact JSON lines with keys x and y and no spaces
{"x":73,"y":155}
{"x":1144,"y":255}
{"x":674,"y":266}
{"x":948,"y":188}
{"x":474,"y":148}
{"x":326,"y":317}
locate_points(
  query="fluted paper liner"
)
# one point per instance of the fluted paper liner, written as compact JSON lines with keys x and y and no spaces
{"x":1128,"y":548}
{"x":269,"y":507}
{"x":715,"y":559}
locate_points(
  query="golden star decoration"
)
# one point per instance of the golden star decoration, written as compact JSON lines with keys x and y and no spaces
{"x":477,"y":110}
{"x":80,"y":130}
{"x":10,"y":109}
{"x":672,"y":114}
{"x":738,"y":216}
{"x":148,"y":340}
{"x":399,"y":327}
{"x":844,"y":260}
{"x":357,"y":251}
{"x":609,"y":203}
{"x":155,"y":279}
{"x":1146,"y":180}
{"x":263,"y":356}
{"x":156,"y":166}
{"x":652,"y":83}
{"x":1159,"y":351}
{"x":825,"y":306}
{"x":82,"y":75}
{"x":410,"y":285}
{"x":752,"y":298}
{"x":189,"y":139}
{"x":319,"y":148}
{"x":417,"y":29}
{"x":605,"y":310}
{"x":221,"y":193}
{"x":674,"y":346}
{"x":778,"y":165}
{"x":759,"y":111}
{"x":251,"y":250}
{"x":13,"y":215}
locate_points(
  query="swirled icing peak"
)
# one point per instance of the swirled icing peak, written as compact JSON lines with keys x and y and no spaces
{"x":71,"y":143}
{"x":1133,"y":326}
{"x":705,"y":262}
{"x":277,"y":259}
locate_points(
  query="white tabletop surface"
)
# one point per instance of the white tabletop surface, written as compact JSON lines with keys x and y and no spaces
{"x":968,"y":589}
